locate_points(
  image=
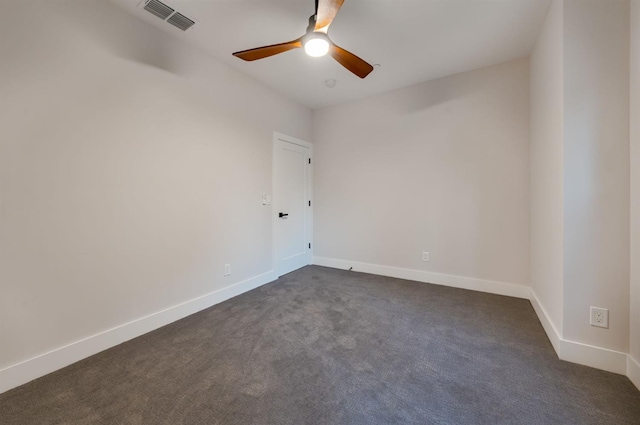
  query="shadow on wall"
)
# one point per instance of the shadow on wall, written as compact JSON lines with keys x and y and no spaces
{"x":421,"y":97}
{"x":103,"y":26}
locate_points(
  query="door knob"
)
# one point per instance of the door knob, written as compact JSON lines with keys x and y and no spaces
{"x":282,"y":215}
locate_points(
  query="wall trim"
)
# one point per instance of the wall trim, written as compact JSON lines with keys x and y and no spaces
{"x":593,"y":356}
{"x":577,"y":352}
{"x":490,"y":286}
{"x":43,"y":364}
{"x":633,"y":371}
{"x":571,"y":351}
{"x":552,"y":333}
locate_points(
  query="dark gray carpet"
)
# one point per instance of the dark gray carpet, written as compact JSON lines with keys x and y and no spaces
{"x":323,"y":346}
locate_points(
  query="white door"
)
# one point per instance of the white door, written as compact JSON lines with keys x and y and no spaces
{"x":291,"y":203}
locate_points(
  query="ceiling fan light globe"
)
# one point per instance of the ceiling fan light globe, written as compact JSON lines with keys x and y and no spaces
{"x":316,"y":47}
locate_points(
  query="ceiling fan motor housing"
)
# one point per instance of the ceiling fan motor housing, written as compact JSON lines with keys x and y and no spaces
{"x":316,"y":43}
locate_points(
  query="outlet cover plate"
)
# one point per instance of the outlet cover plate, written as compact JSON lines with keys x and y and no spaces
{"x":599,"y":317}
{"x":227,"y":269}
{"x":425,"y":256}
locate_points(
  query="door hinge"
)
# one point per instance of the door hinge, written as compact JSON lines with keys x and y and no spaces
{"x":309,"y":160}
{"x":309,"y":246}
{"x":309,"y":203}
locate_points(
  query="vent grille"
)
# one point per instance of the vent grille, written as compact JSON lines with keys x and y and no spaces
{"x":180,"y":21}
{"x":159,"y":9}
{"x":163,"y":11}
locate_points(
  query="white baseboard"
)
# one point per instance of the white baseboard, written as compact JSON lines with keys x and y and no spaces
{"x":571,"y":351}
{"x":633,"y":371}
{"x":576,"y":352}
{"x":28,"y":370}
{"x":597,"y":357}
{"x":552,"y":333}
{"x":489,"y":286}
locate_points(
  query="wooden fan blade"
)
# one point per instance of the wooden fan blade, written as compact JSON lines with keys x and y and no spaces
{"x":266,"y":51}
{"x":327,"y":10}
{"x":350,"y":61}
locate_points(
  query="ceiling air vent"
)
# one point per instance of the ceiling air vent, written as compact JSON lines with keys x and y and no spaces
{"x":159,"y":9}
{"x":168,"y":14}
{"x":180,"y":21}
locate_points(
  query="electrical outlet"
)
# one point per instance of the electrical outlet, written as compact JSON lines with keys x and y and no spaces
{"x":227,"y":269}
{"x":425,"y":256}
{"x":599,"y":317}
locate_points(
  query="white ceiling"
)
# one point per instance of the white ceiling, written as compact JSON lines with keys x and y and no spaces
{"x":412,"y":40}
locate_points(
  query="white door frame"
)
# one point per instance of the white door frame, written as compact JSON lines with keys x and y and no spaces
{"x":274,"y":219}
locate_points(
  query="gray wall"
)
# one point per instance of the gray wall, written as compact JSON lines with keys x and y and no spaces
{"x":596,"y":170}
{"x":131,"y":171}
{"x":546,"y":152}
{"x":635,"y":184}
{"x":440,"y":166}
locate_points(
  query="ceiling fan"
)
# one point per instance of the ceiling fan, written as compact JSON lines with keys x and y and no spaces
{"x":316,"y":42}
